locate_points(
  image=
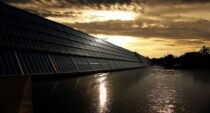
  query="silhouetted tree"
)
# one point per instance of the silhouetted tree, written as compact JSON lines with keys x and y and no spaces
{"x":169,"y":61}
{"x":190,"y":60}
{"x":204,"y":50}
{"x":195,"y":60}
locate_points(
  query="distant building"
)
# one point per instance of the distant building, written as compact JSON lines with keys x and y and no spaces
{"x":31,"y":45}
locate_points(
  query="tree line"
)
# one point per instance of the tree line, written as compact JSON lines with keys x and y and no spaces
{"x":190,"y":60}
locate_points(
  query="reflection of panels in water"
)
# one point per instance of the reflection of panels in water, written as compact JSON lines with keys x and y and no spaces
{"x":8,"y":63}
{"x":16,"y":95}
{"x":63,"y":63}
{"x":35,"y":63}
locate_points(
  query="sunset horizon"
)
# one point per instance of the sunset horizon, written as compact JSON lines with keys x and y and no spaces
{"x":105,"y":56}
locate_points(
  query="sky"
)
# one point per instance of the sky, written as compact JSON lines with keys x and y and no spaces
{"x":152,"y":28}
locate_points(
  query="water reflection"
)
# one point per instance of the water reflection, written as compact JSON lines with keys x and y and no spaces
{"x":163,"y":94}
{"x":145,"y":90}
{"x":102,"y":92}
{"x":102,"y":95}
{"x":163,"y":100}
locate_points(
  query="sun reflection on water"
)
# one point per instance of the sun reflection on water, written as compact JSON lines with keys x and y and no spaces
{"x":102,"y":93}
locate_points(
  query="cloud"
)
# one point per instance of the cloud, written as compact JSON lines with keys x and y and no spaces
{"x":155,"y":8}
{"x":176,"y":30}
{"x":66,"y":3}
{"x":107,"y":2}
{"x":192,"y":42}
{"x":191,"y":1}
{"x":175,"y":20}
{"x":15,"y":1}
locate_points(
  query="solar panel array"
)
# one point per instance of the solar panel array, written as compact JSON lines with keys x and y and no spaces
{"x":33,"y":45}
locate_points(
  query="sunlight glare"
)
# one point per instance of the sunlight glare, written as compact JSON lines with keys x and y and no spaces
{"x":122,"y":41}
{"x":103,"y":97}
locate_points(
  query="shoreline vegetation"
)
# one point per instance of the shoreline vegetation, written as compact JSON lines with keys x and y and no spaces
{"x":190,"y":60}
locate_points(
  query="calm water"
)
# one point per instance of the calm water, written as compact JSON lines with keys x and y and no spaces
{"x":145,"y":90}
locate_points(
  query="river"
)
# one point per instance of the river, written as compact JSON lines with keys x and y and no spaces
{"x":143,"y":90}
